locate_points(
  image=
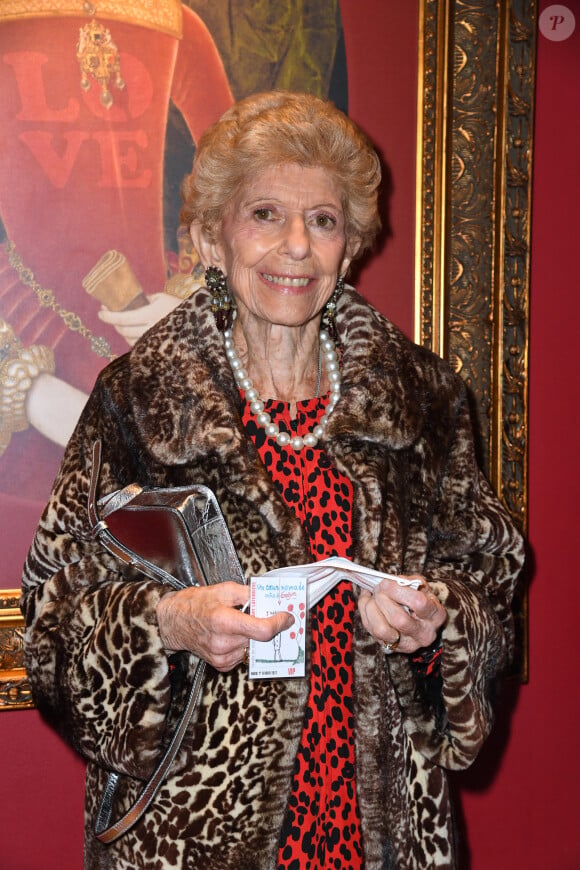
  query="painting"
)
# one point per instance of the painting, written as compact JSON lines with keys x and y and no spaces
{"x":102,"y":104}
{"x":89,"y":133}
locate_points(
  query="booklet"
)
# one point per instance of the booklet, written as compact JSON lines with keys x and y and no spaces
{"x":298,"y":588}
{"x":284,"y":655}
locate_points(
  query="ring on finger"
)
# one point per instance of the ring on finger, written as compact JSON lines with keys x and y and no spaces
{"x":246,"y":658}
{"x":391,"y":646}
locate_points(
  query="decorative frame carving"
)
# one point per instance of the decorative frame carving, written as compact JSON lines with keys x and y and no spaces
{"x":14,"y":687}
{"x":474,"y":175}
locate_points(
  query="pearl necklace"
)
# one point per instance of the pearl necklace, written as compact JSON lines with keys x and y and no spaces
{"x":244,"y":382}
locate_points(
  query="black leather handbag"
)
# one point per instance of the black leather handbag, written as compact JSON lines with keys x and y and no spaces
{"x":176,"y":536}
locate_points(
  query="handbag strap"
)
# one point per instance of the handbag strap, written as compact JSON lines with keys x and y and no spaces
{"x":101,"y":532}
{"x":104,"y":830}
{"x":108,"y":833}
{"x":116,"y":500}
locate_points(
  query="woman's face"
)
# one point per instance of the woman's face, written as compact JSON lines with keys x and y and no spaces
{"x":282,"y":244}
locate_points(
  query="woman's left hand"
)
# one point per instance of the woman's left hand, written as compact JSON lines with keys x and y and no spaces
{"x":401,"y":616}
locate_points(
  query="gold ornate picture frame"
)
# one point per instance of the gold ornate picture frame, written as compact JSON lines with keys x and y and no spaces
{"x":474,"y":177}
{"x":14,"y":687}
{"x":474,"y":161}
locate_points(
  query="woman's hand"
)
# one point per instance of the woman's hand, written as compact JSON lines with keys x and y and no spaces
{"x":384,"y":615}
{"x":207,"y":621}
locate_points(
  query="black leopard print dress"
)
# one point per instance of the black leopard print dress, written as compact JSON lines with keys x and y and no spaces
{"x":322,"y":826}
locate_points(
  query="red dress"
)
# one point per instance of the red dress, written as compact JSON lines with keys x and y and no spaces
{"x":322,"y":825}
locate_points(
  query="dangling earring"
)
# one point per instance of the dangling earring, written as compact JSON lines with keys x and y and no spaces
{"x":221,"y":303}
{"x":329,"y":311}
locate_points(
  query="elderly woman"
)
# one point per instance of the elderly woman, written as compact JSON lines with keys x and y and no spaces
{"x":323,"y":431}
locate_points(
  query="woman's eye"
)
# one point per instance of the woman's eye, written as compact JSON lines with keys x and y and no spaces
{"x":263,"y":214}
{"x":325,"y":221}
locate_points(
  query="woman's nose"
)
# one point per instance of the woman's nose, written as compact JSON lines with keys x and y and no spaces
{"x":297,"y":238}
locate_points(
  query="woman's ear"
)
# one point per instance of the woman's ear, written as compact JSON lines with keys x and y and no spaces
{"x":344,"y":266}
{"x":352,"y":249}
{"x":207,"y":248}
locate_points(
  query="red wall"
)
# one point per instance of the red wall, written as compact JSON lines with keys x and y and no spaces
{"x":518,"y":802}
{"x":381,"y":49}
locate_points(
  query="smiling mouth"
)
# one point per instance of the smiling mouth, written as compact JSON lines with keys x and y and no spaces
{"x":286,"y":280}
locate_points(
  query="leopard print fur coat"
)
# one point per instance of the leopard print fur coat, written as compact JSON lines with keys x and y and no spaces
{"x":168,"y":414}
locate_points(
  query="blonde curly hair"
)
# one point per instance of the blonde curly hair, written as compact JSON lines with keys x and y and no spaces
{"x":277,"y":127}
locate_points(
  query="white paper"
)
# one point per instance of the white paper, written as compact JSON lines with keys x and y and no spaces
{"x":322,"y":576}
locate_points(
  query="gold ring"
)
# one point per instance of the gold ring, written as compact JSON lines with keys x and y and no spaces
{"x":389,"y":648}
{"x":246,"y":658}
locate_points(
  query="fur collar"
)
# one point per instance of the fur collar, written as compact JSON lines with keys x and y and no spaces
{"x":186,"y":402}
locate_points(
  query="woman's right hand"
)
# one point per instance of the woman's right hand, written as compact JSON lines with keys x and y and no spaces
{"x":208,"y":621}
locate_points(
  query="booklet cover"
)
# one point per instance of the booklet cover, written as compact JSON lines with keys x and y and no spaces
{"x":284,"y":655}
